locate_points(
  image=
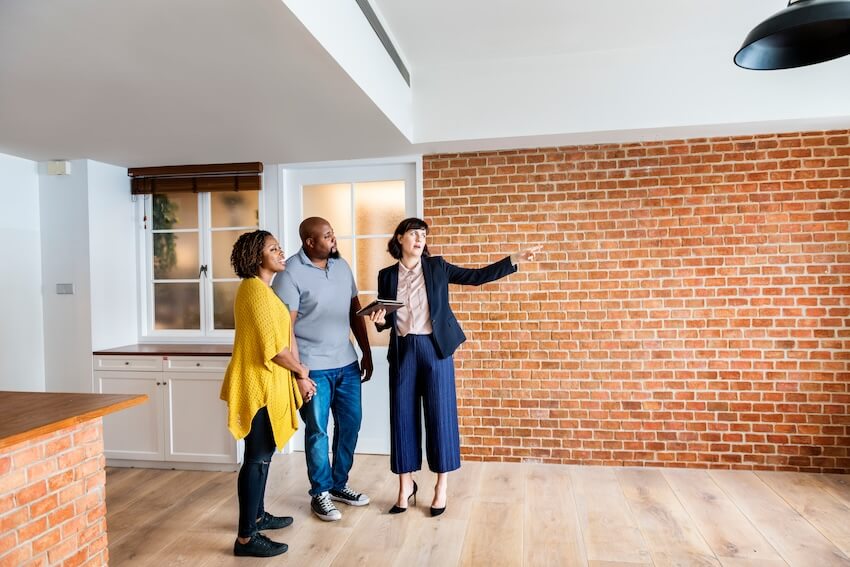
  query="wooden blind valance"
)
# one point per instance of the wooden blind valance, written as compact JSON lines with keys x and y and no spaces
{"x":196,"y":178}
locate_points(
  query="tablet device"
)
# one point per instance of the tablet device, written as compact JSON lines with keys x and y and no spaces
{"x":389,"y":304}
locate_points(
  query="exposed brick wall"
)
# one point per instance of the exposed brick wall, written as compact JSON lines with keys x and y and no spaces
{"x":692,"y":307}
{"x":52,"y":499}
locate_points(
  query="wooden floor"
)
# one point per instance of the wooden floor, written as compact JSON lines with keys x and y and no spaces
{"x":498,"y":514}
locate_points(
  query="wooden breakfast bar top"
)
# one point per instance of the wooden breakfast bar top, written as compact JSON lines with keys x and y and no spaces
{"x":27,"y":415}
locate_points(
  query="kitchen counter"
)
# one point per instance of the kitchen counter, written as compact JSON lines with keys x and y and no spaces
{"x":170,"y":350}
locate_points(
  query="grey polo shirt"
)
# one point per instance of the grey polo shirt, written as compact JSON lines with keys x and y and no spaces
{"x":323,"y":300}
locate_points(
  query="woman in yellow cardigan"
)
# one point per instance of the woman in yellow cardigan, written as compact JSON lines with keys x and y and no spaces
{"x":264,"y":385}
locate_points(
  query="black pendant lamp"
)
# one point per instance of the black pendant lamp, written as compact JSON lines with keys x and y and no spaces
{"x":804,"y":33}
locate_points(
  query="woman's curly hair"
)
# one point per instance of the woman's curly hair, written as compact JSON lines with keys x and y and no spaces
{"x":247,"y":253}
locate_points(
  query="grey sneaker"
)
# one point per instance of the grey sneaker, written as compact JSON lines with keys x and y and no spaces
{"x":349,"y":496}
{"x":324,"y":508}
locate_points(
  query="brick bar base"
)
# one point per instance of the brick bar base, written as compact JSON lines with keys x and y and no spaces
{"x":53,"y":499}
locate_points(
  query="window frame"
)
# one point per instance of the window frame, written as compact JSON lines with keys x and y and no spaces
{"x":147,"y":331}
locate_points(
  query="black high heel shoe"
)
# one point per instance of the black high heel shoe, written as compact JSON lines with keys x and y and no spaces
{"x":437,"y":511}
{"x":398,"y":509}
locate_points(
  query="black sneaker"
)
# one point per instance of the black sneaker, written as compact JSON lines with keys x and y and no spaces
{"x":349,"y":496}
{"x":324,"y":508}
{"x":259,"y":546}
{"x":269,"y":522}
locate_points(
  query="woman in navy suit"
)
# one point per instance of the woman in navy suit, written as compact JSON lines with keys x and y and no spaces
{"x":423,"y":336}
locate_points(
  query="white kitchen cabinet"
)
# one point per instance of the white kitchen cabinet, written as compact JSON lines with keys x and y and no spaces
{"x":184,"y":421}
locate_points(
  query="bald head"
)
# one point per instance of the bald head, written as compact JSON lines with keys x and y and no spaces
{"x":318,"y":240}
{"x":312,"y":227}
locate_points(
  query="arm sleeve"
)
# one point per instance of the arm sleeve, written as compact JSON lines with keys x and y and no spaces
{"x":287,"y":290}
{"x":353,"y":283}
{"x":478,"y":276}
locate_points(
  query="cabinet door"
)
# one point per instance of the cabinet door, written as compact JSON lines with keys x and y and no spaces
{"x":137,"y":432}
{"x":197,"y":419}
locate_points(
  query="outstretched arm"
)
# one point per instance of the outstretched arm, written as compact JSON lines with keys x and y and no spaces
{"x":486,"y":274}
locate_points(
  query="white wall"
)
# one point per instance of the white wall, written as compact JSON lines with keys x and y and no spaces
{"x":65,"y":259}
{"x":112,"y":255}
{"x":88,"y":240}
{"x":22,"y":329}
{"x":622,"y":95}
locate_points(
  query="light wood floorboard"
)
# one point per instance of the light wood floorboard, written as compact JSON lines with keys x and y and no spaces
{"x":498,"y":514}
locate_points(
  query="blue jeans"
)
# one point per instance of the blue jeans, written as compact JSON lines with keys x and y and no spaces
{"x":337,"y":391}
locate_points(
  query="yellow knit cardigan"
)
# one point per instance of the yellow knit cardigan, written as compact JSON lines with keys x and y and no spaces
{"x":252,"y":380}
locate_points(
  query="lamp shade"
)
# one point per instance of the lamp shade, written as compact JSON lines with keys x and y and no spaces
{"x":804,"y":33}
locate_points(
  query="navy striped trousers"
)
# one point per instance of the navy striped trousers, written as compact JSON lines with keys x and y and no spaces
{"x":423,"y":379}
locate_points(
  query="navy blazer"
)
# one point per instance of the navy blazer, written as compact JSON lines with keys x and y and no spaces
{"x":438,"y":275}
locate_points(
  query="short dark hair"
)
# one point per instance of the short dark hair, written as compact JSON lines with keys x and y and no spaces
{"x":413,"y":223}
{"x":247,"y":253}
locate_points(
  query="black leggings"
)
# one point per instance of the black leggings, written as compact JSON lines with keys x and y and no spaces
{"x":251,"y":486}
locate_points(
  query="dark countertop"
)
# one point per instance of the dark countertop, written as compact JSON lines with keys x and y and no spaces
{"x":170,"y":350}
{"x":27,"y":415}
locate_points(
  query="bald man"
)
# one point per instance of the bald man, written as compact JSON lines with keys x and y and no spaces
{"x":319,"y":289}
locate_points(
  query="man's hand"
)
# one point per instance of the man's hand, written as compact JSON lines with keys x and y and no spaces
{"x":366,"y":367}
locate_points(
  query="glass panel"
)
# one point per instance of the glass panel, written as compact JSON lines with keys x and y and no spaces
{"x":222,"y":247}
{"x":235,"y":208}
{"x":224,"y":293}
{"x":372,"y":255}
{"x":177,"y":306}
{"x":376,"y":339}
{"x":175,"y":210}
{"x":344,"y":247}
{"x":332,"y":202}
{"x":378,"y":206}
{"x":175,"y":255}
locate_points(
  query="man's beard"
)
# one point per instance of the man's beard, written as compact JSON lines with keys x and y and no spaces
{"x":334,"y":254}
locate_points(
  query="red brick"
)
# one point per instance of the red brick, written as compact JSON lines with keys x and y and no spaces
{"x":8,"y":540}
{"x":60,"y":515}
{"x":43,"y":506}
{"x":17,"y":557}
{"x":46,"y":541}
{"x":30,"y":530}
{"x":30,"y":493}
{"x":29,"y":452}
{"x":58,"y":445}
{"x":709,"y":276}
{"x":63,"y":549}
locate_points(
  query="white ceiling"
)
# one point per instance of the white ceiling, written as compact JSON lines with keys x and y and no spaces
{"x":153,"y":82}
{"x":437,"y":32}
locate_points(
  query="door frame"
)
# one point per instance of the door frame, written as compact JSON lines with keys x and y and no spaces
{"x":374,"y":433}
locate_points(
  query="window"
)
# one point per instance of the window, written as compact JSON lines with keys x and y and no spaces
{"x":189,"y":237}
{"x":363,"y":216}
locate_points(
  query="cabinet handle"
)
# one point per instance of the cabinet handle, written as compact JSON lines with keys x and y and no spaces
{"x":126,"y":363}
{"x":197,"y":364}
{"x":157,"y":383}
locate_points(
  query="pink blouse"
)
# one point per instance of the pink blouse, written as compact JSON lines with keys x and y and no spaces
{"x":415,"y":317}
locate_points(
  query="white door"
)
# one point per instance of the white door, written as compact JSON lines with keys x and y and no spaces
{"x":137,"y":432}
{"x":364,"y":205}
